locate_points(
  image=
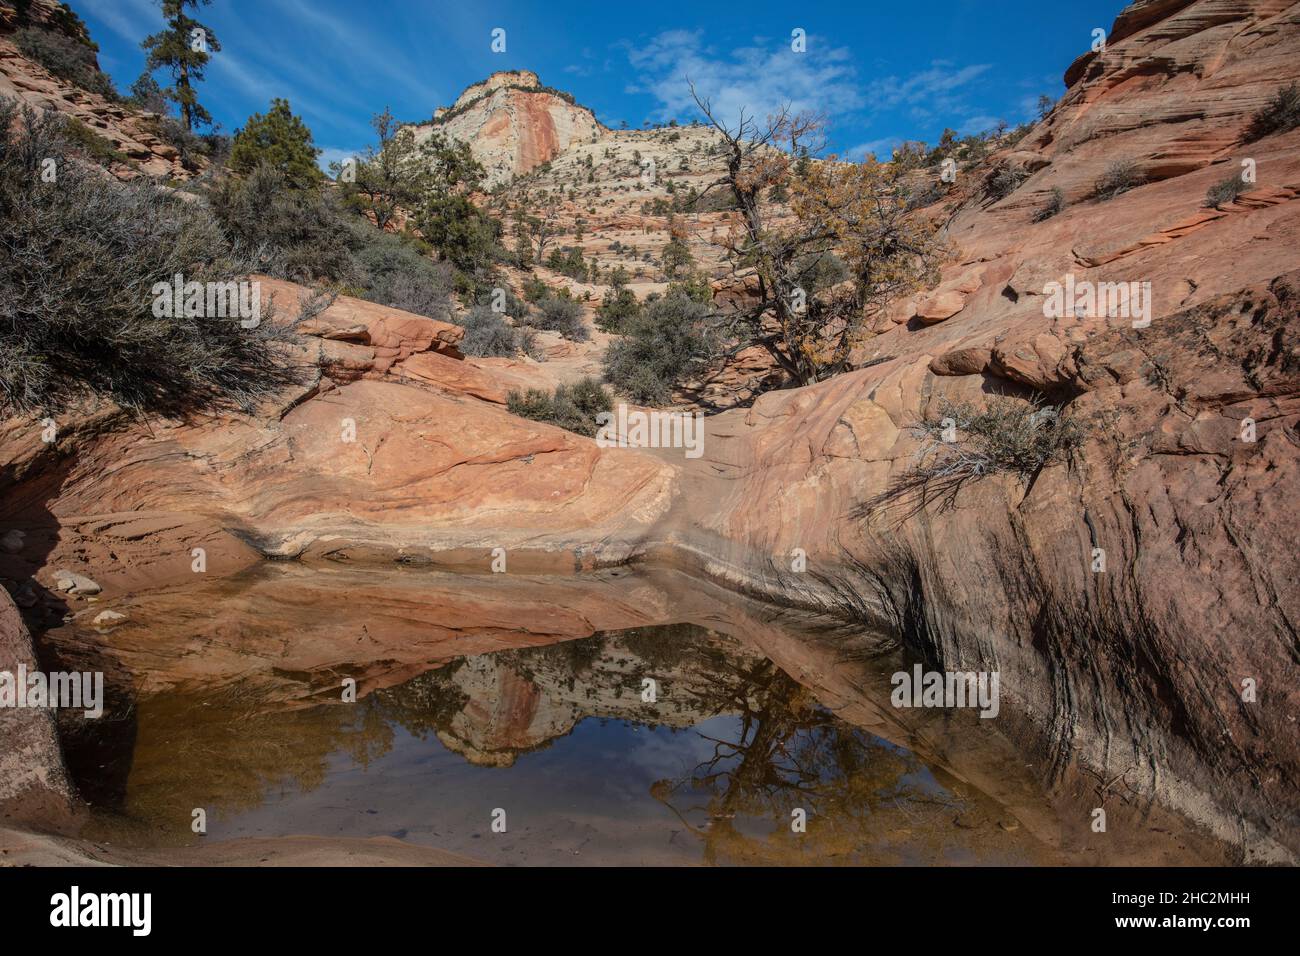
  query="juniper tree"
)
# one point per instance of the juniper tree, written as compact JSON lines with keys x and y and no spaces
{"x":856,"y":212}
{"x":182,"y":49}
{"x":279,"y":139}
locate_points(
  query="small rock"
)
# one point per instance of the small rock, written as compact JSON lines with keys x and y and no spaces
{"x":108,"y":619}
{"x":65,"y":580}
{"x":12,"y":541}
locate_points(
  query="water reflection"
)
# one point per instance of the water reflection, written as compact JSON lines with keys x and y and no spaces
{"x":588,"y":765}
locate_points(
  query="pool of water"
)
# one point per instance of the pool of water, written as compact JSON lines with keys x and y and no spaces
{"x":654,"y":745}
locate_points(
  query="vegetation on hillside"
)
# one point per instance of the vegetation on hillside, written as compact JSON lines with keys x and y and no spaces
{"x":963,"y":443}
{"x":858,"y":212}
{"x":573,"y":407}
{"x":82,"y":255}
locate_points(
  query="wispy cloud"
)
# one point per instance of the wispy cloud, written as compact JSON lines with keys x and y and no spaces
{"x":354,"y":48}
{"x":765,"y":75}
{"x":930,"y":88}
{"x":757,"y":78}
{"x":132,"y":20}
{"x":244,"y":64}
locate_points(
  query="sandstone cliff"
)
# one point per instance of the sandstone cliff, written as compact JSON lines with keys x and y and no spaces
{"x":512,"y":123}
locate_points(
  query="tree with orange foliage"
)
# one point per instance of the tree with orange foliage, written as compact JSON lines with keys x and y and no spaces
{"x":854,"y":213}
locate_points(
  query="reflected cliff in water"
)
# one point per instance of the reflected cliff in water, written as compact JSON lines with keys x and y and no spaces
{"x":654,"y":745}
{"x":615,"y":717}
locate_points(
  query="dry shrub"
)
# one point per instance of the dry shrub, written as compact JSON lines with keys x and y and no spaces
{"x":1008,"y":436}
{"x":79,"y":258}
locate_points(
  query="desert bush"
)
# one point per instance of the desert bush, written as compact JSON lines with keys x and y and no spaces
{"x":92,"y":145}
{"x":568,"y":261}
{"x":511,"y":304}
{"x":1280,"y":114}
{"x":964,"y":443}
{"x":573,"y":407}
{"x":488,"y":333}
{"x":618,"y":305}
{"x":562,"y":315}
{"x":666,"y":343}
{"x":1003,"y":182}
{"x":1055,"y":203}
{"x":66,"y":58}
{"x":296,"y":234}
{"x":80,"y":258}
{"x":918,"y":197}
{"x":1226,"y":190}
{"x":1119,"y":177}
{"x":192,"y":147}
{"x":394,"y":271}
{"x":535,"y":290}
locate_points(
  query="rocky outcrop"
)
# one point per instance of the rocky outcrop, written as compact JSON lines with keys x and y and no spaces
{"x":132,"y":136}
{"x":34,"y":785}
{"x":512,"y":123}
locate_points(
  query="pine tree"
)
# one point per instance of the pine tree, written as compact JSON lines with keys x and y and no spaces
{"x":147,"y":94}
{"x":183,"y":49}
{"x":279,"y":139}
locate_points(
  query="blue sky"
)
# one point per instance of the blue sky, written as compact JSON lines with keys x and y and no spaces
{"x":882,"y":72}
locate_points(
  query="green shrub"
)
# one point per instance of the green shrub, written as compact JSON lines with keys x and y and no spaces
{"x":1225,"y":190}
{"x":568,"y":261}
{"x":535,"y":290}
{"x":668,"y":342}
{"x":562,"y":315}
{"x":1119,"y":177}
{"x":1280,"y":114}
{"x":91,"y":144}
{"x":296,"y":234}
{"x":618,"y":305}
{"x":81,"y":256}
{"x":278,"y":139}
{"x":394,"y":271}
{"x":66,"y":58}
{"x":573,"y":407}
{"x":1055,"y":203}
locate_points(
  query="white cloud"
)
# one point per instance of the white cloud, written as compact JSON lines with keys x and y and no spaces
{"x":930,"y":89}
{"x":758,"y":79}
{"x":132,"y":20}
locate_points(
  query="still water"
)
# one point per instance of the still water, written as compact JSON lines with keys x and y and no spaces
{"x":653,"y":745}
